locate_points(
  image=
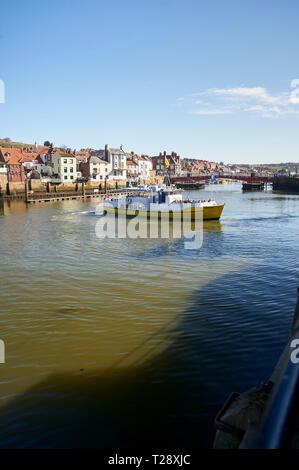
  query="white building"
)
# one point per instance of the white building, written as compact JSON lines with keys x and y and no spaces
{"x":118,"y":160}
{"x":64,"y":167}
{"x":145,"y":166}
{"x":132,"y":171}
{"x":117,"y":157}
{"x":99,"y":169}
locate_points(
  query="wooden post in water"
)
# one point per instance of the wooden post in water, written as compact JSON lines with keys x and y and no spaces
{"x":48,"y":187}
{"x":1,"y":206}
{"x":26,"y":189}
{"x":83,"y":189}
{"x":7,"y":189}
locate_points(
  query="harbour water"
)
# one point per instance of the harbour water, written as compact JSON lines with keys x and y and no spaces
{"x":120,"y":342}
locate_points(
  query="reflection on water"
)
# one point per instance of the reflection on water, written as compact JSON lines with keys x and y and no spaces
{"x":120,"y":342}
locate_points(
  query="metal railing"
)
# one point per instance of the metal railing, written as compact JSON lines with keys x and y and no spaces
{"x":278,"y":425}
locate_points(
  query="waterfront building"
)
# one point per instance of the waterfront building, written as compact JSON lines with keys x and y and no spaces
{"x":64,"y":166}
{"x":16,"y":161}
{"x":132,"y":171}
{"x":117,"y":157}
{"x":9,"y":158}
{"x":95,"y":169}
{"x":145,"y":166}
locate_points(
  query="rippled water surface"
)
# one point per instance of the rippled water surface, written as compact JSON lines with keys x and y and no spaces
{"x":119,"y":342}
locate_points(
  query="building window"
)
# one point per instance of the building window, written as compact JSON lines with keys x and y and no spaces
{"x":72,"y":170}
{"x":65,"y":170}
{"x":65,"y":160}
{"x":65,"y":177}
{"x":72,"y":177}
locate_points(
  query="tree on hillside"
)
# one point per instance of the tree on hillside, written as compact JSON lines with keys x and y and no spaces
{"x":47,"y":143}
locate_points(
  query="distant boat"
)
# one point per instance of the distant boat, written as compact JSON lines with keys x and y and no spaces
{"x":253,"y":186}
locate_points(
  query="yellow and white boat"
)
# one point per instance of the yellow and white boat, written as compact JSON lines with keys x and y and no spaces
{"x":163,"y":203}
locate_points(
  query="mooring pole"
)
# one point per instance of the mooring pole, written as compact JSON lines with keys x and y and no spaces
{"x":26,"y":189}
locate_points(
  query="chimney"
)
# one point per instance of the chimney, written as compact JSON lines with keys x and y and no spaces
{"x":106,"y":152}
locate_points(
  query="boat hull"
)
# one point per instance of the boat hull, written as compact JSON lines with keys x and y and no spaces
{"x":192,"y":213}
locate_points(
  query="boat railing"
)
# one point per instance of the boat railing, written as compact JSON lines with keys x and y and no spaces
{"x":277,"y":428}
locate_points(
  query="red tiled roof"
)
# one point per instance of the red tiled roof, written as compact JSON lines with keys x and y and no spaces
{"x":13,"y":156}
{"x":42,"y":149}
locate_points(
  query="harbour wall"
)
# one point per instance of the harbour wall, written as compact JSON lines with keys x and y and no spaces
{"x":17,"y":189}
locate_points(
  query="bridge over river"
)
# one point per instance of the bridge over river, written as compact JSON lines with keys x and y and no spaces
{"x":248,"y":179}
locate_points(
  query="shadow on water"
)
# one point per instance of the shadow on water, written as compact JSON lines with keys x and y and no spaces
{"x":223,"y":342}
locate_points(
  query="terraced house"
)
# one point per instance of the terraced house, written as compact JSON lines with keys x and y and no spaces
{"x":64,"y":166}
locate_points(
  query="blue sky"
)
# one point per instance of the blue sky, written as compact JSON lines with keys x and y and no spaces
{"x":207,"y":79}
